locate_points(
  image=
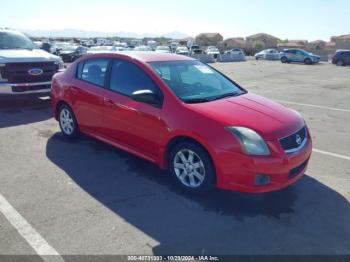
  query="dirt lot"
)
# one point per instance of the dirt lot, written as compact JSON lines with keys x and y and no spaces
{"x":86,"y":197}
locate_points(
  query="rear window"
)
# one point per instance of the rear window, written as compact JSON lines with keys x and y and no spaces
{"x":93,"y":71}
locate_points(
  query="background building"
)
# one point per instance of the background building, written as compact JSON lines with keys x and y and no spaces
{"x":209,"y":39}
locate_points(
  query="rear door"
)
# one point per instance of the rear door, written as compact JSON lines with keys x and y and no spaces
{"x":88,"y":93}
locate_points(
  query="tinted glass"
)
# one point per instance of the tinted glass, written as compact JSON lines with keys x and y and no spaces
{"x":126,"y":78}
{"x":94,"y":71}
{"x":194,"y":81}
{"x":15,"y":40}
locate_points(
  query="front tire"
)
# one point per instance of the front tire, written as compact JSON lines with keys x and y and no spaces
{"x":192,"y":168}
{"x":284,"y":60}
{"x":67,"y":121}
{"x":308,"y":61}
{"x":340,"y":63}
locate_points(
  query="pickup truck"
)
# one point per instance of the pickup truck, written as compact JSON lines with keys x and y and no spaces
{"x":24,"y":68}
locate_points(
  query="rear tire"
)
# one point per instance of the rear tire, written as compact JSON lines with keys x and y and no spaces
{"x":67,"y":122}
{"x":284,"y":59}
{"x":192,"y":168}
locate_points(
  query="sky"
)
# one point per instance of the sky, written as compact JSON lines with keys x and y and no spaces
{"x":286,"y":19}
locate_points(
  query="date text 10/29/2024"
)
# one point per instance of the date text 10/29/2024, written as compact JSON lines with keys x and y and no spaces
{"x":173,"y":258}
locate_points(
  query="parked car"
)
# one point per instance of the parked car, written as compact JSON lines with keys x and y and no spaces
{"x":341,"y":57}
{"x":236,"y":53}
{"x":24,"y":68}
{"x":104,"y":49}
{"x":183,"y":116}
{"x":268,"y":54}
{"x":143,"y":48}
{"x":299,"y":56}
{"x":70,"y":53}
{"x":163,"y":49}
{"x":212,"y":50}
{"x":173,"y":46}
{"x":182,"y":50}
{"x":195,"y":49}
{"x":152,"y":44}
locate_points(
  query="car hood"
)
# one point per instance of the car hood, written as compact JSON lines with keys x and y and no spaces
{"x":23,"y":55}
{"x":271,"y":120}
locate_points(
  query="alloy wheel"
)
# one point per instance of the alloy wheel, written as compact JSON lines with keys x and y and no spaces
{"x":66,"y":121}
{"x":189,"y":168}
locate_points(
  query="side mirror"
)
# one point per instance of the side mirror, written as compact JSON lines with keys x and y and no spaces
{"x":147,"y":96}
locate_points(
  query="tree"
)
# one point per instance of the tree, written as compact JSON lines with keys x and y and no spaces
{"x":258,"y":45}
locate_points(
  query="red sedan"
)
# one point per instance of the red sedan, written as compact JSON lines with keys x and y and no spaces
{"x":185,"y":117}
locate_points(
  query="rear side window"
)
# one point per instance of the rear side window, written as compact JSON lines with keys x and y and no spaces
{"x":93,"y":71}
{"x":126,"y":78}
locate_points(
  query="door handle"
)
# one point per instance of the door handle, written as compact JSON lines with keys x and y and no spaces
{"x":110,"y":102}
{"x":107,"y":101}
{"x":74,"y":89}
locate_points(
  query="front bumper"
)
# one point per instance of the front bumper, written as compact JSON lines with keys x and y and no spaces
{"x":238,"y":172}
{"x":24,"y":88}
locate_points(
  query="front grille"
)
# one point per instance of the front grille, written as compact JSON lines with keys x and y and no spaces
{"x":18,"y":72}
{"x":294,"y":141}
{"x":20,"y":89}
{"x":296,"y":170}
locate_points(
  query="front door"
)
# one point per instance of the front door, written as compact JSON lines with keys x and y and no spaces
{"x":133,"y":124}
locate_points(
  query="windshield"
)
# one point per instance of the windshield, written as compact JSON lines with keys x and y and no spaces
{"x":193,"y":81}
{"x":15,"y":40}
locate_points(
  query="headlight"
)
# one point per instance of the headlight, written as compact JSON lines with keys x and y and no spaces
{"x":60,"y":65}
{"x":251,"y":142}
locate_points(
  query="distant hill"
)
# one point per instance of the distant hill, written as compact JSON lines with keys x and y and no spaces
{"x":82,"y":34}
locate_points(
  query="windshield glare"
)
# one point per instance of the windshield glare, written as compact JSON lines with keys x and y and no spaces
{"x":14,"y":40}
{"x":193,"y":80}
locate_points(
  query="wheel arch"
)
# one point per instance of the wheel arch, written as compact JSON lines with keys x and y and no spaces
{"x":184,"y":139}
{"x":58,"y":105}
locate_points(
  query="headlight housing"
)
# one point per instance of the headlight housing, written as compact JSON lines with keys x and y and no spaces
{"x":60,"y":65}
{"x":251,"y":142}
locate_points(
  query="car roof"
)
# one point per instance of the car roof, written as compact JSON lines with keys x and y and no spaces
{"x":144,"y":56}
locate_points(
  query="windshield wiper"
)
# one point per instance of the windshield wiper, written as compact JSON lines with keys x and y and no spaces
{"x":196,"y":100}
{"x":225,"y":95}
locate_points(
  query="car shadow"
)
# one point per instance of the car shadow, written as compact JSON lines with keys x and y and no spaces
{"x":23,"y":109}
{"x":306,"y":218}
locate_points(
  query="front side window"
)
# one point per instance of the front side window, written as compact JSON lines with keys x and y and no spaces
{"x":126,"y":78}
{"x":93,"y":71}
{"x":193,"y":81}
